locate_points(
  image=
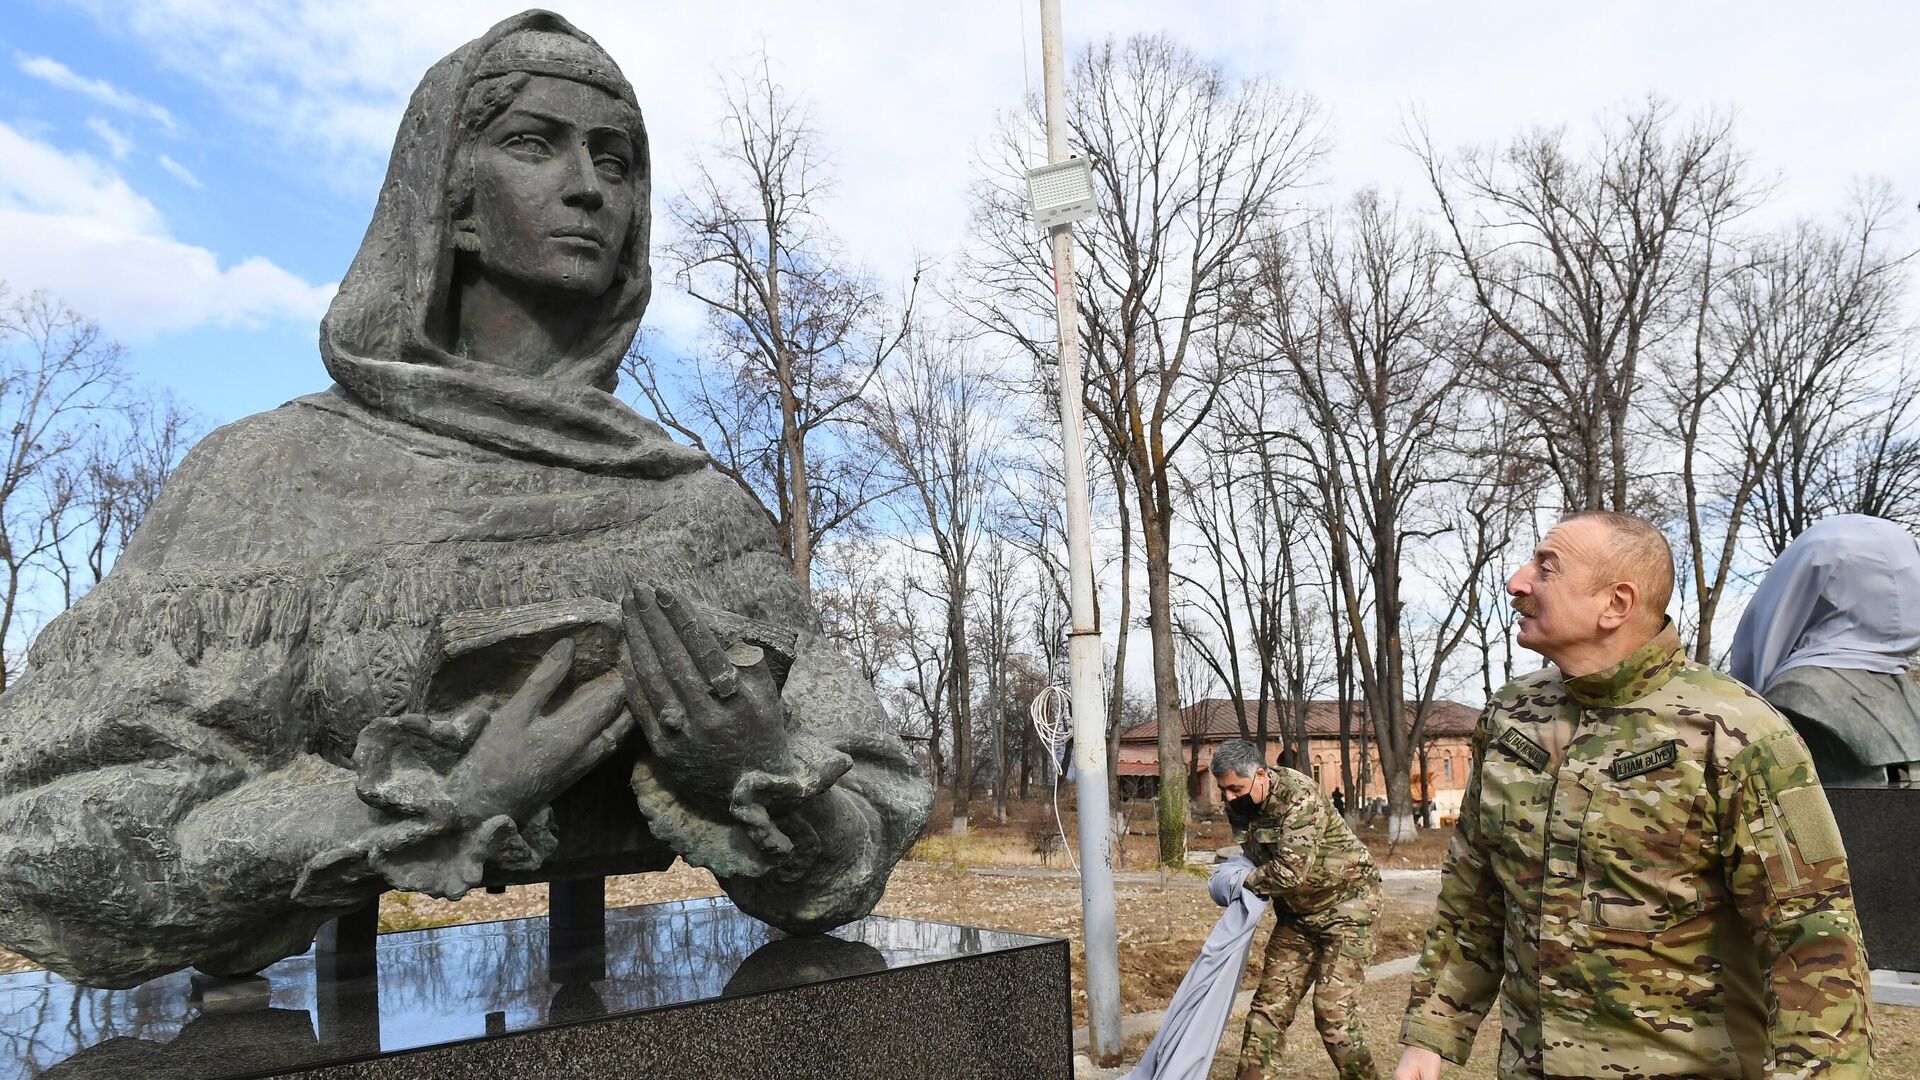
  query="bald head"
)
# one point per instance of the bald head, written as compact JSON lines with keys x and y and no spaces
{"x":1632,"y":549}
{"x":1595,"y":590}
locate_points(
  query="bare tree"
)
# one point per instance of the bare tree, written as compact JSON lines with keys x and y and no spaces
{"x":60,"y":380}
{"x":126,"y":469}
{"x":1196,"y":676}
{"x":1585,"y":264}
{"x":1882,"y":478}
{"x":1032,"y":519}
{"x":1027,"y":678}
{"x":928,"y":658}
{"x":798,"y":334}
{"x":856,"y":609}
{"x":1190,"y":166}
{"x":1380,"y":354}
{"x":1822,"y":310}
{"x":1765,"y":402}
{"x":999,"y":574}
{"x":938,"y":423}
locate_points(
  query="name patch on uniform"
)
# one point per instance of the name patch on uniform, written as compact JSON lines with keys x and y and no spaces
{"x":1528,"y":751}
{"x":1627,"y":766}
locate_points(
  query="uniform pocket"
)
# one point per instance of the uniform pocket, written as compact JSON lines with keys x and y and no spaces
{"x":1793,"y":836}
{"x":1641,"y":853}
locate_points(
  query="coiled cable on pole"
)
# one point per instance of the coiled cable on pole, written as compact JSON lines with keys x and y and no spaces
{"x":1052,"y":715}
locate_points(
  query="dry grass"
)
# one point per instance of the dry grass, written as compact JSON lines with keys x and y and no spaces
{"x":991,"y":843}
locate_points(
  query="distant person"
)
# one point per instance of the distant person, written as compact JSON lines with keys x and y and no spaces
{"x":1645,"y":872}
{"x":1828,"y":639}
{"x":1339,"y":802}
{"x":1325,"y":894}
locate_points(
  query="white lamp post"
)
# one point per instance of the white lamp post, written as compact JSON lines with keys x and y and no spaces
{"x":1062,"y":193}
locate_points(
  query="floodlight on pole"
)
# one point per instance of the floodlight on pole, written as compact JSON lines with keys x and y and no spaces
{"x":1062,"y":193}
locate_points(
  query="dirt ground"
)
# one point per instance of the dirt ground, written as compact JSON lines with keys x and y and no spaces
{"x":1381,"y":1003}
{"x":1007,"y":877}
{"x":1027,"y":836}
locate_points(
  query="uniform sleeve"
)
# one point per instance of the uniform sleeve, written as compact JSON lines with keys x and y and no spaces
{"x":1787,"y":876}
{"x":1295,"y":842}
{"x":1459,"y":971}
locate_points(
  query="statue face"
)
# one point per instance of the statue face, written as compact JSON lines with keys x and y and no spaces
{"x":552,"y":189}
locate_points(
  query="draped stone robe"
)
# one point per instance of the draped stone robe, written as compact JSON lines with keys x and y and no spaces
{"x":224,"y":672}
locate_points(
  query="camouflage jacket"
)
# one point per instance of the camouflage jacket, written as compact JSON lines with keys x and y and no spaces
{"x":1647,"y":873}
{"x":1304,"y":857}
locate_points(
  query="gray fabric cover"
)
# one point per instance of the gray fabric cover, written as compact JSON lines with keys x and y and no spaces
{"x":1844,"y":594}
{"x":1827,"y":639}
{"x":1183,"y":1048}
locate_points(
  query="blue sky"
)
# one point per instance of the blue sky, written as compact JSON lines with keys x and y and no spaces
{"x":197,"y":174}
{"x":226,"y":341}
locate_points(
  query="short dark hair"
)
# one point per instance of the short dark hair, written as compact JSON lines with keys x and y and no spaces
{"x":1236,"y":756}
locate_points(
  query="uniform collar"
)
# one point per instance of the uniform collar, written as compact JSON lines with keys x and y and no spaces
{"x":1646,"y":670}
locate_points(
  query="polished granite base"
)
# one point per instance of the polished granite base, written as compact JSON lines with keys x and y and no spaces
{"x":691,"y":989}
{"x":1881,"y":830}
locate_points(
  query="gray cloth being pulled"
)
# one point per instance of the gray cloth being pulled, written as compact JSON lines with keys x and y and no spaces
{"x":1844,"y":594}
{"x":1184,"y":1046}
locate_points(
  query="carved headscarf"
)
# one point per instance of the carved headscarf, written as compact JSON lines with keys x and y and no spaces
{"x":385,"y":339}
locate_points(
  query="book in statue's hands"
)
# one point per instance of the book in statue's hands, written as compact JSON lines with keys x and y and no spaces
{"x":492,"y":650}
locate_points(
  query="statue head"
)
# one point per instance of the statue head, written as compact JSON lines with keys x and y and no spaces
{"x":549,"y":167}
{"x":521,"y":160}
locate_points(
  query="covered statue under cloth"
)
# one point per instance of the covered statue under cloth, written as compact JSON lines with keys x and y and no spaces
{"x":375,"y":639}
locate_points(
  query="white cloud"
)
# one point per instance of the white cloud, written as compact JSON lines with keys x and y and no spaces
{"x":117,"y":144}
{"x":902,"y":93}
{"x":49,"y":70}
{"x":75,"y":228}
{"x":180,"y":172}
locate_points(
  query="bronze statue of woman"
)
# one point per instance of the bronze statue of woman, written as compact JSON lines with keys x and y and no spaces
{"x":462,"y":618}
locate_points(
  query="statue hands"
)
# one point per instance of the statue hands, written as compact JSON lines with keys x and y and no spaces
{"x":458,"y":793}
{"x":524,"y":755}
{"x":715,"y":720}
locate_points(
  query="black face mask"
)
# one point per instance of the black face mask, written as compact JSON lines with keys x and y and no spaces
{"x":1242,"y":806}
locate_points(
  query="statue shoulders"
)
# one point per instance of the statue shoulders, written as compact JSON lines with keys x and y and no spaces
{"x":1877,"y":715}
{"x":244,"y":462}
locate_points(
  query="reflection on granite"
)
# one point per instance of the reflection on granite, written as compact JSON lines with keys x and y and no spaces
{"x":436,"y":987}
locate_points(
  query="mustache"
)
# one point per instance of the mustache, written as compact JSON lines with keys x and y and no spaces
{"x":1525,"y":607}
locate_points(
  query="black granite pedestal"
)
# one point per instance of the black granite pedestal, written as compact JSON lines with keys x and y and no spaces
{"x":1880,"y":827}
{"x":690,"y":990}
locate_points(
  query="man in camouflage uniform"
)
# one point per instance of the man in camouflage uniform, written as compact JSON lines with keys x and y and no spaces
{"x":1645,"y":871}
{"x":1325,"y":895}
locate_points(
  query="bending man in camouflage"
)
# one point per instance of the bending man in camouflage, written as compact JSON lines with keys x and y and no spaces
{"x":1645,"y":872}
{"x":1325,"y":895}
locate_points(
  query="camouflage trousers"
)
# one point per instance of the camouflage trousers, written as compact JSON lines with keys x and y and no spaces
{"x":1330,"y":950}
